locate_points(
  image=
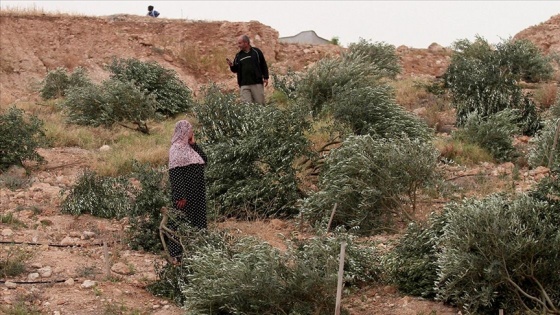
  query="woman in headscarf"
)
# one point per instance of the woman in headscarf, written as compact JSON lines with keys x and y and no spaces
{"x":186,"y":175}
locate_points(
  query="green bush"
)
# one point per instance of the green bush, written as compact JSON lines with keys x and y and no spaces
{"x":321,"y":82}
{"x":21,"y":137}
{"x":371,"y":180}
{"x":105,"y":197}
{"x":381,"y":54}
{"x":500,"y":253}
{"x":362,"y":264}
{"x":146,"y":212}
{"x":548,"y":189}
{"x":486,"y":80}
{"x":172,"y":96}
{"x":372,"y":110}
{"x":117,"y":197}
{"x":113,"y":102}
{"x":221,"y":274}
{"x":287,"y":84}
{"x":351,"y":89}
{"x":252,"y":152}
{"x":57,"y":82}
{"x":494,"y":134}
{"x":542,"y":149}
{"x":524,"y":59}
{"x":412,"y":264}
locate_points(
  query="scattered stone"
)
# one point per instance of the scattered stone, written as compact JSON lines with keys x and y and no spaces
{"x":69,"y":282}
{"x":69,"y":241}
{"x":88,"y":234}
{"x":104,"y":148}
{"x":7,"y":232}
{"x":10,"y":285}
{"x":121,"y":268}
{"x":33,"y":276}
{"x":75,"y":234}
{"x":37,"y":265}
{"x":88,"y":284}
{"x":45,"y":272}
{"x":155,"y":306}
{"x":56,"y":313}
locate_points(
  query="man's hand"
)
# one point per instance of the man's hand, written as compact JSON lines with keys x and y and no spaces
{"x":229,"y":62}
{"x":181,"y":203}
{"x":265,"y":82}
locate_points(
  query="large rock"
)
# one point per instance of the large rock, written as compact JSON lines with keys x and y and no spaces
{"x":545,"y":35}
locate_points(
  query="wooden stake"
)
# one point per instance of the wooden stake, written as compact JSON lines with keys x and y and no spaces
{"x":340,"y":277}
{"x":332,"y":216}
{"x":107,"y":262}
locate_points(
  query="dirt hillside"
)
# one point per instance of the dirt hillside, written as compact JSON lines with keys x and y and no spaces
{"x":33,"y":44}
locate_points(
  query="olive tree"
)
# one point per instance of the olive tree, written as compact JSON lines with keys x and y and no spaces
{"x":22,"y":135}
{"x":371,"y":180}
{"x":253,"y":152}
{"x":485,"y":79}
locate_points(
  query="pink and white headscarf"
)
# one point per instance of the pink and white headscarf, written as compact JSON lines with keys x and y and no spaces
{"x":181,"y":153}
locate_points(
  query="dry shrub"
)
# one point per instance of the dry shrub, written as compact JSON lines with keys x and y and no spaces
{"x":200,"y":61}
{"x":71,"y":61}
{"x":546,"y":95}
{"x":439,"y":115}
{"x":409,"y":94}
{"x":462,"y":153}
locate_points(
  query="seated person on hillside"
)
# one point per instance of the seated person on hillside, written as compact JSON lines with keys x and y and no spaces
{"x":152,"y":12}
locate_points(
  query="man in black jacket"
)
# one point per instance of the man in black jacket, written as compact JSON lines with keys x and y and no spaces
{"x":251,"y":69}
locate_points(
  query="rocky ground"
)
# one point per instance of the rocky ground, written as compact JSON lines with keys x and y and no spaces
{"x":80,"y":265}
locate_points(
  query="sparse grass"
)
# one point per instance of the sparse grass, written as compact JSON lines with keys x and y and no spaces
{"x":11,"y":220}
{"x":126,"y":145}
{"x":13,"y":182}
{"x":462,"y":153}
{"x":20,"y":308}
{"x":436,"y":115}
{"x":409,"y":94}
{"x":97,"y":291}
{"x":203,"y":62}
{"x":33,"y":10}
{"x":129,"y":146}
{"x":12,"y":261}
{"x":116,"y":308}
{"x":88,"y":272}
